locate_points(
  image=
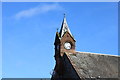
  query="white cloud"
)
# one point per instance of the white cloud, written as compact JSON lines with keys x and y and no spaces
{"x":38,"y":10}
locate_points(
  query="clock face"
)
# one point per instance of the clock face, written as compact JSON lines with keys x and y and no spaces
{"x":67,"y":45}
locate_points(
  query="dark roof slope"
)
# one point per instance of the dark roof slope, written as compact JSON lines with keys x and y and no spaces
{"x":91,"y":65}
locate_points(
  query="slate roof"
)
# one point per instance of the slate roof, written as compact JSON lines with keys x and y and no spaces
{"x":92,"y":65}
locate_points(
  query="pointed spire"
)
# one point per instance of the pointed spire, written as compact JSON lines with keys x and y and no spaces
{"x":64,"y":27}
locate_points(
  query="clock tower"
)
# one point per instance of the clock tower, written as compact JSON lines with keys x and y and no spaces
{"x":64,"y":40}
{"x":64,"y":43}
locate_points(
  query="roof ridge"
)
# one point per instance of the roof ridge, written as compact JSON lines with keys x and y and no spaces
{"x":98,"y":53}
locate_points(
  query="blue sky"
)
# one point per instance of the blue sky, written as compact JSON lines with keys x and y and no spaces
{"x":29,"y":29}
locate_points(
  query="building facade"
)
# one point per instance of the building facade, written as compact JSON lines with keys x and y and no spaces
{"x":73,"y":65}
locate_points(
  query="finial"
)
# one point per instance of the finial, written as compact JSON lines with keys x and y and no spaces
{"x":57,"y":29}
{"x":64,"y":14}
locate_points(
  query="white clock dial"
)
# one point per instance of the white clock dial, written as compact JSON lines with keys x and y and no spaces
{"x":67,"y":45}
